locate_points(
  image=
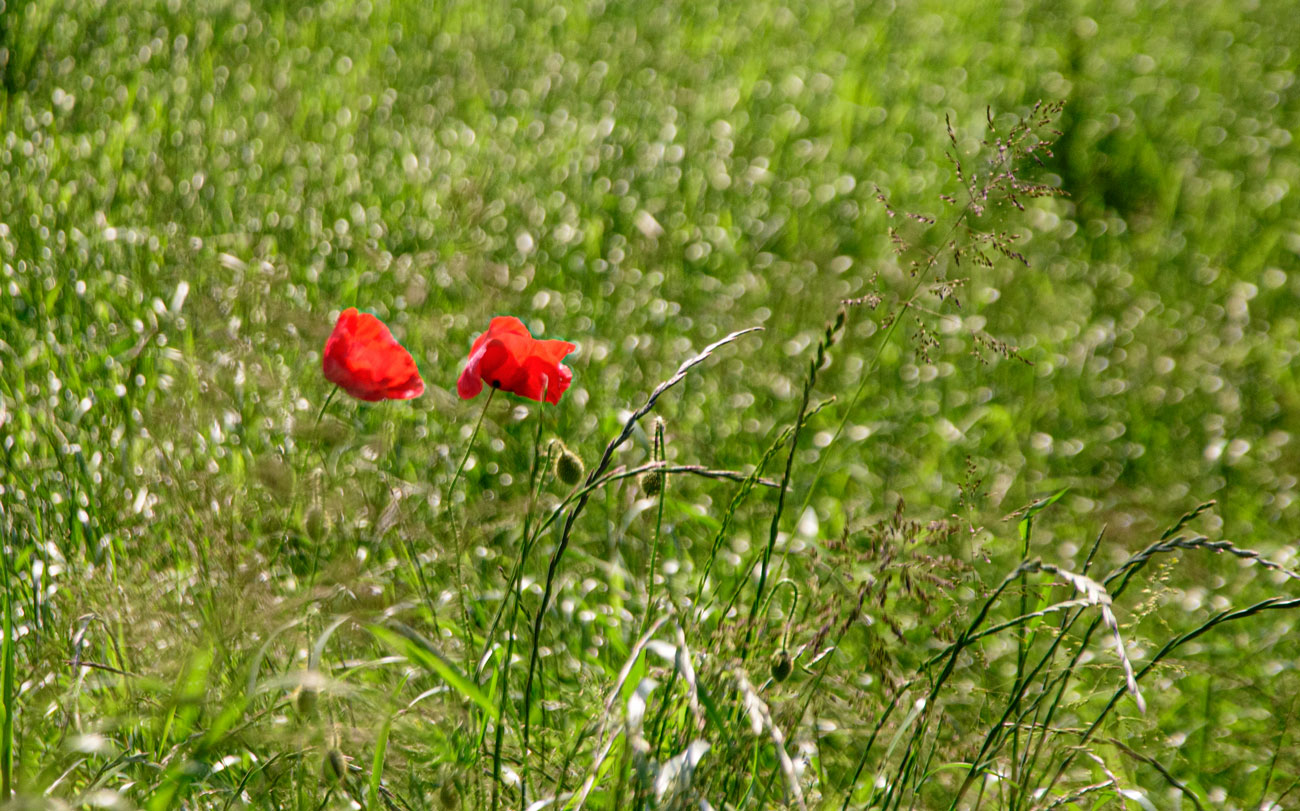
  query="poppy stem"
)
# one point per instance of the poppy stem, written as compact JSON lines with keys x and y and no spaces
{"x":535,"y":478}
{"x":324,"y":406}
{"x":469,"y":446}
{"x":451,"y":517}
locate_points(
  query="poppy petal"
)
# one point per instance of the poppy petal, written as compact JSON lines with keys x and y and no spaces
{"x":365,"y":360}
{"x":498,"y":366}
{"x":554,"y":351}
{"x":546,"y":378}
{"x":507,"y":357}
{"x":508,"y":325}
{"x":471,"y":382}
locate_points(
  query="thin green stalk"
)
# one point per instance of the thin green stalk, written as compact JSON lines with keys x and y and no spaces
{"x":800,"y":420}
{"x":469,"y":447}
{"x":659,"y":521}
{"x":512,"y":594}
{"x":729,"y":516}
{"x":10,"y":697}
{"x":866,"y":751}
{"x":535,"y":480}
{"x":324,"y":406}
{"x":451,"y":517}
{"x":1022,"y":653}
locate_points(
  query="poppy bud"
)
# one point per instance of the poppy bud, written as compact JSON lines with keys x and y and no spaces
{"x":307,"y":701}
{"x":329,"y":432}
{"x":652,"y":483}
{"x":781,"y":665}
{"x":335,"y":767}
{"x":448,"y":796}
{"x":316,"y":523}
{"x":569,"y":466}
{"x":276,"y":476}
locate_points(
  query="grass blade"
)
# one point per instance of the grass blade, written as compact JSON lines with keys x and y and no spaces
{"x":405,"y":641}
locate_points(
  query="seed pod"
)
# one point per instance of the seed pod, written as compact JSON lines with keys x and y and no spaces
{"x":315,"y":523}
{"x":276,"y":476}
{"x":307,"y":702}
{"x":781,"y":665}
{"x":335,"y":767}
{"x":569,"y":466}
{"x":652,"y":483}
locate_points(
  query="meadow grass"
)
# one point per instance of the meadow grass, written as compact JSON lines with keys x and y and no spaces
{"x":933,"y":444}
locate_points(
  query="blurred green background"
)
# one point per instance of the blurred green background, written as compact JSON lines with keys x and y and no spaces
{"x":189,"y":192}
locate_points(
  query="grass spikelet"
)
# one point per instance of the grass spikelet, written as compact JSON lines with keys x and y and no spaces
{"x":1095,"y":594}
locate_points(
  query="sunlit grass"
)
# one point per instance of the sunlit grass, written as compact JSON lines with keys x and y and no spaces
{"x":799,"y":589}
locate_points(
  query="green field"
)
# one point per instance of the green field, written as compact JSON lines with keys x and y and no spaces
{"x":1026,"y":385}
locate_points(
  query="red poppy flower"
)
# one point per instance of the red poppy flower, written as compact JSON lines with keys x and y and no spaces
{"x":363,"y":357}
{"x":508,"y":357}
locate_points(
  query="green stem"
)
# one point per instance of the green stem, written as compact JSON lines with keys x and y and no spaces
{"x":469,"y":446}
{"x":325,"y":405}
{"x":448,"y":511}
{"x":659,"y":522}
{"x":10,"y":697}
{"x":533,"y":489}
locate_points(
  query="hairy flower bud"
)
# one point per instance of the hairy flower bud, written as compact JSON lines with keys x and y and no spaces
{"x":335,"y":767}
{"x":781,"y":665}
{"x":652,"y":483}
{"x":569,"y":466}
{"x":316,"y":523}
{"x":307,"y":701}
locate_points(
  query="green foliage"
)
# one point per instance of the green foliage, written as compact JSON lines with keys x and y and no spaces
{"x":798,"y":590}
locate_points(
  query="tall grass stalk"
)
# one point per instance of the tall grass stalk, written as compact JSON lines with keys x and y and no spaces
{"x":449,"y":510}
{"x":7,"y":661}
{"x":994,"y":179}
{"x":660,"y":495}
{"x":553,"y":566}
{"x":828,"y":339}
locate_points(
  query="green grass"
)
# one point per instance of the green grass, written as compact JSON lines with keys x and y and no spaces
{"x":212,"y":599}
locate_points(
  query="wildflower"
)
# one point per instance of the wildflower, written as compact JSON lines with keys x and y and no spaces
{"x":508,"y":357}
{"x":363,"y":358}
